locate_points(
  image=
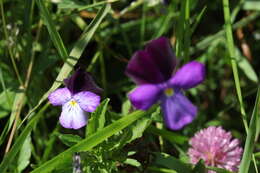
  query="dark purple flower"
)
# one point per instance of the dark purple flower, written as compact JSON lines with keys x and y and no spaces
{"x":76,"y":99}
{"x":152,"y":69}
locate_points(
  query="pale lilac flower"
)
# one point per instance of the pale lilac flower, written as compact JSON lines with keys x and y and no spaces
{"x":77,"y":98}
{"x":152,"y":70}
{"x":216,"y":147}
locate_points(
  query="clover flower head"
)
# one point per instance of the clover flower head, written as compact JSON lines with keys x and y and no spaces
{"x":77,"y":99}
{"x":152,"y":70}
{"x":216,"y":147}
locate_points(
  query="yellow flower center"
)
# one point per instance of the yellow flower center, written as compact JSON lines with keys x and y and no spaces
{"x":73,"y":103}
{"x":169,"y":92}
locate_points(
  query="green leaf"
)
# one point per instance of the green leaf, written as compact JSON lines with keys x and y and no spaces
{"x":246,"y":67}
{"x":10,"y":156}
{"x":5,"y":107}
{"x":249,"y":146}
{"x":171,"y":162}
{"x":251,"y":5}
{"x":90,"y":142}
{"x":71,"y":4}
{"x":132,"y":162}
{"x":69,"y":139}
{"x":172,"y":137}
{"x":199,"y":167}
{"x":25,"y":154}
{"x":17,"y":106}
{"x":135,"y":131}
{"x":98,"y":118}
{"x":126,"y":106}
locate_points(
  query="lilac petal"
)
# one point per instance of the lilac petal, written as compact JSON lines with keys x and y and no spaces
{"x":189,"y":75}
{"x":81,"y":81}
{"x":59,"y":96}
{"x":178,"y":111}
{"x":144,"y":96}
{"x":153,"y":65}
{"x":72,"y":116}
{"x":88,"y":101}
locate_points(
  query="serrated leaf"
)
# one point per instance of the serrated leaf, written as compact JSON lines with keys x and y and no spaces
{"x":91,"y":141}
{"x":69,"y":139}
{"x":134,"y":131}
{"x":126,"y":106}
{"x":98,"y":118}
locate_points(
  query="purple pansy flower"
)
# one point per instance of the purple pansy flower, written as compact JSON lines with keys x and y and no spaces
{"x":152,"y":69}
{"x":77,"y":98}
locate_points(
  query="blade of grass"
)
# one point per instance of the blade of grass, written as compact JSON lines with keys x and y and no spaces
{"x":96,"y":4}
{"x":250,"y":139}
{"x":10,"y":156}
{"x":197,"y":20}
{"x":187,"y":32}
{"x":231,"y":49}
{"x":54,"y":35}
{"x":90,"y":142}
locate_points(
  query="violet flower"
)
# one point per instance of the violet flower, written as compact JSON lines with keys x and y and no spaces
{"x":77,"y":98}
{"x":216,"y":147}
{"x":152,"y":70}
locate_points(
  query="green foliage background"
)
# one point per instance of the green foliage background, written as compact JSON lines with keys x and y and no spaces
{"x":43,"y":42}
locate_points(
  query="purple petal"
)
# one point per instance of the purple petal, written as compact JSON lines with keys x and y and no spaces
{"x":145,"y":96}
{"x":161,"y":52}
{"x":143,"y":70}
{"x":88,"y":101}
{"x":189,"y":75}
{"x":59,"y":96}
{"x":153,"y":65}
{"x":178,"y":111}
{"x":81,"y":81}
{"x":72,"y":116}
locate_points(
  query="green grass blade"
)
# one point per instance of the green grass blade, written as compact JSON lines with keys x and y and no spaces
{"x":250,"y":139}
{"x":91,"y":141}
{"x":231,"y":49}
{"x":10,"y":156}
{"x":55,"y":36}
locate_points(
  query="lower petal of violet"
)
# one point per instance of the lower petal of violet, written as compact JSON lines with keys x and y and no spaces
{"x":72,"y":116}
{"x":178,"y":111}
{"x":144,"y":96}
